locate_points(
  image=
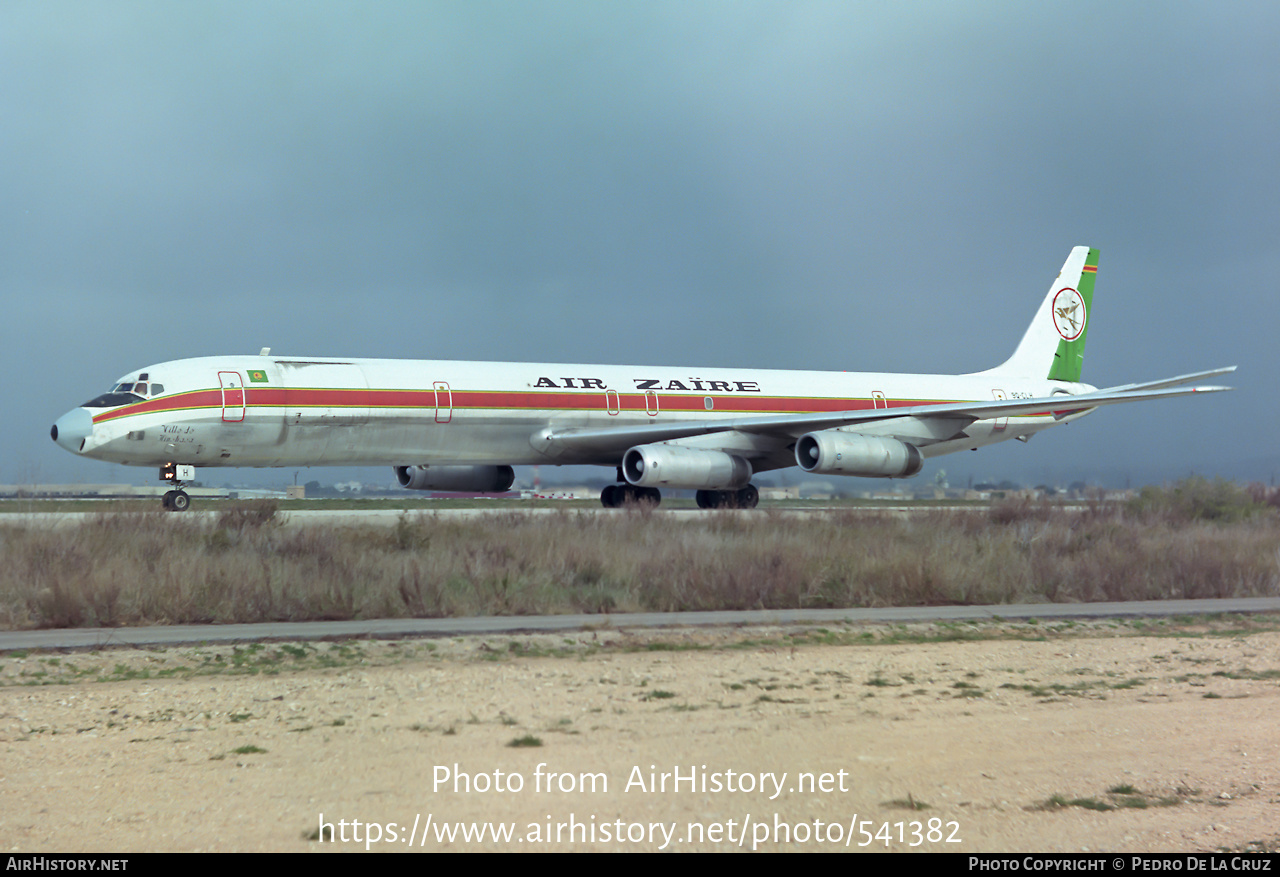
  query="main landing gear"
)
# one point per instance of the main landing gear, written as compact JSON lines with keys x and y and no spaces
{"x":176,"y":500}
{"x":746,"y":498}
{"x":615,"y":496}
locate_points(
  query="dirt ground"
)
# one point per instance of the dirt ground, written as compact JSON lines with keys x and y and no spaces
{"x":1104,"y":737}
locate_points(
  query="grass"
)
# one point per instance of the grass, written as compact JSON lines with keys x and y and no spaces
{"x":314,"y":834}
{"x":907,"y":803}
{"x":1201,"y":499}
{"x":153,"y":568}
{"x":1262,"y":845}
{"x":1119,"y":797}
{"x":658,"y":694}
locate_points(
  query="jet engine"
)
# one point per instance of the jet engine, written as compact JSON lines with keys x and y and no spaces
{"x":832,"y":452}
{"x":481,"y":479}
{"x":672,"y":466}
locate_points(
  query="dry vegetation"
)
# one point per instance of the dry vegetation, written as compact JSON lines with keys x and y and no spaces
{"x":1197,"y":539}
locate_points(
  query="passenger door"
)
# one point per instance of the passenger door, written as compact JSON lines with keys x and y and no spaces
{"x":232,"y":396}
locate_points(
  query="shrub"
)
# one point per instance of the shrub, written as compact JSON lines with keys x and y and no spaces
{"x":1198,"y":499}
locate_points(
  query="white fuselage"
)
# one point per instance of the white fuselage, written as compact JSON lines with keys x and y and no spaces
{"x":279,"y":411}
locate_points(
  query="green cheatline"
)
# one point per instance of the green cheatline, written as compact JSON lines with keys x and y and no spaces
{"x":258,"y":377}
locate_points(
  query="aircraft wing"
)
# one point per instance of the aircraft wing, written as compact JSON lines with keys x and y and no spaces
{"x":949,"y":416}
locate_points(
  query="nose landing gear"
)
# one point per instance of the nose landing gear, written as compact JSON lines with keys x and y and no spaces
{"x":176,"y":500}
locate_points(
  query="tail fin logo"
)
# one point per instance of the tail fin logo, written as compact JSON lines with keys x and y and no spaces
{"x":1069,"y":315}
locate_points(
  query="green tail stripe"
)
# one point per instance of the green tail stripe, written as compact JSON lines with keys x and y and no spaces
{"x":1069,"y":358}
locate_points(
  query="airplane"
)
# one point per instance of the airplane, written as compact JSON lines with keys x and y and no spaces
{"x":461,"y":426}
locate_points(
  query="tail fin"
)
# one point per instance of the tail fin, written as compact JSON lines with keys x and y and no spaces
{"x":1053,"y":345}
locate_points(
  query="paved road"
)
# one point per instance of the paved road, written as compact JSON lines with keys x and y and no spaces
{"x":434,"y":627}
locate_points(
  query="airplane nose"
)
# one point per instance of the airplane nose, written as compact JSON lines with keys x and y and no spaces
{"x":72,"y":428}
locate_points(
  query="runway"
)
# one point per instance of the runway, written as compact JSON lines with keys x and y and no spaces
{"x":95,"y":638}
{"x":389,"y":517}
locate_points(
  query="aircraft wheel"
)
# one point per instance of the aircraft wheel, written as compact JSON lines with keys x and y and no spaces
{"x":748,"y":497}
{"x":167,"y":501}
{"x":651,"y":495}
{"x":611,"y":496}
{"x":708,"y":499}
{"x":180,"y":502}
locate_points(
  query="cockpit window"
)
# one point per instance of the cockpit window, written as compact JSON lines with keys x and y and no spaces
{"x":112,"y":400}
{"x":126,"y":393}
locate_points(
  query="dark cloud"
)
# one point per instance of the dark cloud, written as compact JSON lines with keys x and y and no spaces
{"x":826,"y":185}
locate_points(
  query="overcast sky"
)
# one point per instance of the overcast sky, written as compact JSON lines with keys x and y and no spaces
{"x":852,"y":185}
